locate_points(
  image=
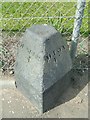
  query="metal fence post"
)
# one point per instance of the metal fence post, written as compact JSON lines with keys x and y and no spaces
{"x":77,"y":25}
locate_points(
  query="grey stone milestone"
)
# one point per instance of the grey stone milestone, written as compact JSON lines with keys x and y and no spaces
{"x":43,"y":66}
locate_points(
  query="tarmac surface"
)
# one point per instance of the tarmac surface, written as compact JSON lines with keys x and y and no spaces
{"x":72,"y":104}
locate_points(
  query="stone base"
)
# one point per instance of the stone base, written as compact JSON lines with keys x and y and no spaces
{"x":49,"y":97}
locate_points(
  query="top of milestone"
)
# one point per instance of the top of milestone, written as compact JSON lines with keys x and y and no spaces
{"x":43,"y":31}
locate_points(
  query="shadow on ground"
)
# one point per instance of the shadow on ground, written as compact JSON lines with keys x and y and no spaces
{"x":79,"y":79}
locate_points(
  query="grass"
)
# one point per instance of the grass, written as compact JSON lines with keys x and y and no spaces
{"x":31,"y":15}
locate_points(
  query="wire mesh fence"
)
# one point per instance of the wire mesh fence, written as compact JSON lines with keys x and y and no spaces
{"x":16,"y":17}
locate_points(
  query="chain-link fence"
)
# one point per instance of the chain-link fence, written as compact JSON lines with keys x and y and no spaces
{"x":15,"y":17}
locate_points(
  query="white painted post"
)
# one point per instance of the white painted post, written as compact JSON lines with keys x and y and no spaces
{"x":77,"y":25}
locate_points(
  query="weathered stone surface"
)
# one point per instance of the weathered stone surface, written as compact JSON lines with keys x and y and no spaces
{"x":42,"y":66}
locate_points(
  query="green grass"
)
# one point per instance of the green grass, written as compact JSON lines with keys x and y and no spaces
{"x":62,"y":24}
